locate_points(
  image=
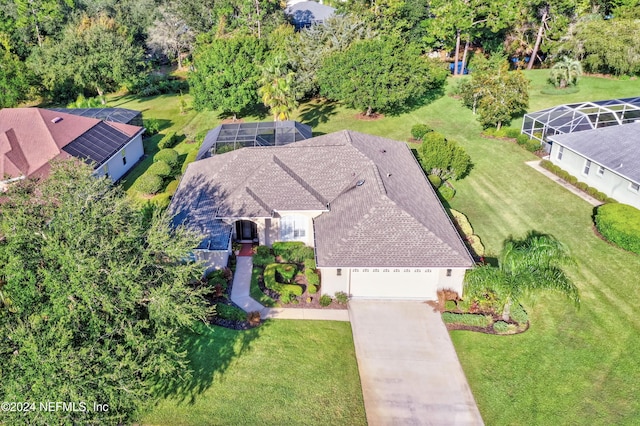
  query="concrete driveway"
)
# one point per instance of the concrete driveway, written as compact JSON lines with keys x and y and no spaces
{"x":409,"y":370}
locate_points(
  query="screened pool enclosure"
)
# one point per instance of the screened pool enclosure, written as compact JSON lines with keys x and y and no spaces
{"x":228,"y":137}
{"x":571,"y":118}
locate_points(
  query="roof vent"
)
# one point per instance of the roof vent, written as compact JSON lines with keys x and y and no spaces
{"x":388,"y":174}
{"x":383,"y":151}
{"x":360,"y":182}
{"x":56,"y":119}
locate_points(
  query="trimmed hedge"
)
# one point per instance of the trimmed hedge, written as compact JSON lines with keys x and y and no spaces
{"x":168,"y":141}
{"x":191,"y":157}
{"x":313,"y":279}
{"x":419,"y":130}
{"x":467,"y":319}
{"x":230,"y":312}
{"x":160,"y":168}
{"x":172,"y":187}
{"x":446,"y":192}
{"x":168,"y":155}
{"x":263,"y":256}
{"x":161,"y":200}
{"x":148,"y":183}
{"x":562,"y":174}
{"x":620,"y":224}
{"x":435,"y":180}
{"x":286,"y":291}
{"x":293,"y":251}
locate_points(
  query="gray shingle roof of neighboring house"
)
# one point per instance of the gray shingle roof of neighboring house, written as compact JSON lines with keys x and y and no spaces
{"x":617,"y":148}
{"x":307,"y":13}
{"x":378,"y":209}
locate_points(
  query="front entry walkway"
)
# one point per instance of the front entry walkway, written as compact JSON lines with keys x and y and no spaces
{"x":409,"y":370}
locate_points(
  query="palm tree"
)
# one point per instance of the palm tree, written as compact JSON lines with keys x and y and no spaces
{"x":277,"y":89}
{"x":530,"y":265}
{"x":565,"y":72}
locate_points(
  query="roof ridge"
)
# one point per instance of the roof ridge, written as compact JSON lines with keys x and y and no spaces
{"x":300,"y":181}
{"x":258,"y":199}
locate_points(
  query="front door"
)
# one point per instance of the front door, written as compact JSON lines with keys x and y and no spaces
{"x":246,"y":230}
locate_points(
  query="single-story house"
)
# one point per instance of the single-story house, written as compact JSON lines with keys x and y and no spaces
{"x":307,"y":13}
{"x":362,"y":201}
{"x":31,"y":137}
{"x":606,"y":158}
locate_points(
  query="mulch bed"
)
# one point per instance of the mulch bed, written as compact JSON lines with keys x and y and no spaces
{"x":485,"y":330}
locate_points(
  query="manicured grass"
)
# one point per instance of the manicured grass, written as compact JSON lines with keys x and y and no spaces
{"x":255,"y":291}
{"x":572,"y":366}
{"x":282,"y":373}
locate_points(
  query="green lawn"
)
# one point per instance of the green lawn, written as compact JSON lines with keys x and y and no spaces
{"x":572,"y":367}
{"x":282,"y":373}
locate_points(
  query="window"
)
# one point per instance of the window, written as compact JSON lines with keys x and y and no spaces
{"x":634,"y":187}
{"x":355,"y":270}
{"x":560,"y":152}
{"x":124,"y":157}
{"x":339,"y":272}
{"x":601,"y":170}
{"x":448,"y":272}
{"x":293,"y":228}
{"x":587,"y":166}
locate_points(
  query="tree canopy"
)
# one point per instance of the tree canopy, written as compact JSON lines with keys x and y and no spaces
{"x":379,"y":75}
{"x":94,"y":295}
{"x":493,"y":92}
{"x":442,"y":157}
{"x":227,"y":71}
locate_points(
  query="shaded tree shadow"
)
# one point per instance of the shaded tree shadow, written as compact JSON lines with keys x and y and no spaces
{"x":258,"y":110}
{"x":317,"y":112}
{"x":415,"y":103}
{"x":210,"y":351}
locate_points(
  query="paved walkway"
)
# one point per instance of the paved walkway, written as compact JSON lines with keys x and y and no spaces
{"x":408,"y":366}
{"x":240,"y":295}
{"x":588,"y":198}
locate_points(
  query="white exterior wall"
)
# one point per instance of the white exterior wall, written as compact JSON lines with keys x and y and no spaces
{"x":309,"y":214}
{"x":612,"y":184}
{"x":453,"y":282}
{"x":133,"y":151}
{"x":331,"y":282}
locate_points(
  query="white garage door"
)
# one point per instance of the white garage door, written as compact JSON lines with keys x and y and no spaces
{"x":394,"y":283}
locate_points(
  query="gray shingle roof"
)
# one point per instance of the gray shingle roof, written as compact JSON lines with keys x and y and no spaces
{"x":617,"y":148}
{"x":393,"y":218}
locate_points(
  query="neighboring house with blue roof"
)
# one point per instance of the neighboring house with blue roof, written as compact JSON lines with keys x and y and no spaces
{"x":606,"y":158}
{"x":362,"y":201}
{"x":307,"y":13}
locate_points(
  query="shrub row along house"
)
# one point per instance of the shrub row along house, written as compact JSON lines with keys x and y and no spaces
{"x":362,"y":201}
{"x":31,"y":137}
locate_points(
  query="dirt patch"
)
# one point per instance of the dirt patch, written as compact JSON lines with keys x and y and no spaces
{"x":371,"y":117}
{"x":231,"y":121}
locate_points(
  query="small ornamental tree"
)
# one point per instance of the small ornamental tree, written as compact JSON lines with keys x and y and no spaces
{"x":379,"y":75}
{"x":443,"y":158}
{"x":168,"y":155}
{"x":494,"y":93}
{"x":565,"y":73}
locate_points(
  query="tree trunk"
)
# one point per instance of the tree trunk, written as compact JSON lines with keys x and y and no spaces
{"x":369,"y":109}
{"x":103,"y":100}
{"x":466,"y":51}
{"x":455,"y":56}
{"x":536,"y":47}
{"x":498,"y":125}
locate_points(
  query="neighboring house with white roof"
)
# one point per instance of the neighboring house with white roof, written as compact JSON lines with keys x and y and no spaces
{"x":31,"y":137}
{"x":362,"y":201}
{"x":606,"y":158}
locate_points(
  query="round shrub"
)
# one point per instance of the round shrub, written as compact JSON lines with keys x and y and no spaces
{"x":582,"y":186}
{"x":592,"y":191}
{"x":435,"y":180}
{"x":161,"y":200}
{"x":500,"y":327}
{"x":168,"y":155}
{"x":168,"y":141}
{"x":159,"y":168}
{"x":419,"y":130}
{"x":513,"y":133}
{"x":533,"y":145}
{"x":325,"y":300}
{"x":151,"y":125}
{"x":563,"y":175}
{"x":447,"y":192}
{"x":572,"y":180}
{"x":148,"y":183}
{"x":620,"y":224}
{"x":172,"y":187}
{"x":545,"y":164}
{"x":523,"y":140}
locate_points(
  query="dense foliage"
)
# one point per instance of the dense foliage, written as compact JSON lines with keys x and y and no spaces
{"x":94,"y":295}
{"x":494,"y":93}
{"x":620,"y":224}
{"x":379,"y":75}
{"x":442,"y":157}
